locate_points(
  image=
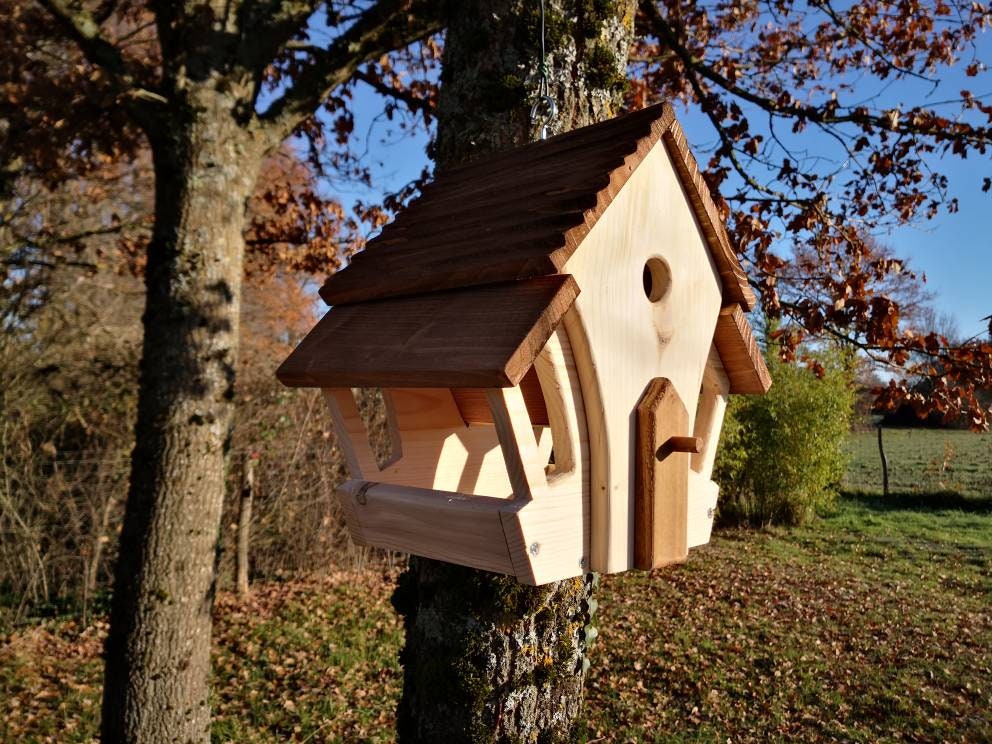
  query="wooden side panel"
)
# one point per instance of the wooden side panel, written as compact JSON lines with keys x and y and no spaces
{"x":540,"y":535}
{"x":466,"y":530}
{"x":662,"y":501}
{"x":632,"y":340}
{"x":479,"y":337}
{"x":738,"y":349}
{"x":703,"y":495}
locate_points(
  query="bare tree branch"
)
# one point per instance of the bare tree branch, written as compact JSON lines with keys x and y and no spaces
{"x":270,"y":27}
{"x":413,"y":102}
{"x":793,"y":109}
{"x":83,"y":28}
{"x":387,"y":25}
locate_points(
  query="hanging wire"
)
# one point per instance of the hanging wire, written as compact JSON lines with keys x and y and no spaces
{"x":544,"y":103}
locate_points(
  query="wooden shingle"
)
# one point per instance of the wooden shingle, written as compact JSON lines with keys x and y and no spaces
{"x":522,"y":213}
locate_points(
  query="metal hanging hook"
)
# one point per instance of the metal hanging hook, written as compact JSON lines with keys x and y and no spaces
{"x":547,"y":103}
{"x":544,"y":100}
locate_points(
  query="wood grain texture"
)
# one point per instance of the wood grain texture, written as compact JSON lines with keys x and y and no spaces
{"x":735,"y":284}
{"x":548,"y":538}
{"x":740,"y":354}
{"x":422,"y":408}
{"x":352,"y":437}
{"x":622,"y":339}
{"x":713,"y":397}
{"x":481,"y":337}
{"x":474,"y":407}
{"x":517,"y":442}
{"x":662,"y":500}
{"x":446,"y":526}
{"x":523,"y":213}
{"x":539,"y":535}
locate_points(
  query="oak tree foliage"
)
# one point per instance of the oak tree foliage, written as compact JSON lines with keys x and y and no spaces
{"x":827,"y":133}
{"x":829,"y":123}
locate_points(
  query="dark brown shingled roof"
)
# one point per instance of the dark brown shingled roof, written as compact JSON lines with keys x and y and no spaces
{"x":522,"y":213}
{"x":481,"y":337}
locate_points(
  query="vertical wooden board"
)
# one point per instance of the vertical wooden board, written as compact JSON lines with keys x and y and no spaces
{"x":631,"y":339}
{"x":713,"y":396}
{"x":517,"y":442}
{"x":545,"y":537}
{"x":662,"y":501}
{"x":352,"y":436}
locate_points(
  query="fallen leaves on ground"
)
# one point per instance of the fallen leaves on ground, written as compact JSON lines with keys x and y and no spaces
{"x":871,"y":625}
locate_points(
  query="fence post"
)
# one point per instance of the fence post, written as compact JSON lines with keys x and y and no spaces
{"x":244,"y":522}
{"x":885,"y":463}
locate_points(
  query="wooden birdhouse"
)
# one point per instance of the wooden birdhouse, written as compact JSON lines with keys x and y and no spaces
{"x":555,"y":330}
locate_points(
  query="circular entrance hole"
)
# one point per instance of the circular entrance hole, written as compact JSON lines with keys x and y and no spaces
{"x":657,"y":279}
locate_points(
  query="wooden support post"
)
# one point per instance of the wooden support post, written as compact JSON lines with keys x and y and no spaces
{"x":244,"y":522}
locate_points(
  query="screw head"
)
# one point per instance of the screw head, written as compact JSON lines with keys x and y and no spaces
{"x":535,"y":548}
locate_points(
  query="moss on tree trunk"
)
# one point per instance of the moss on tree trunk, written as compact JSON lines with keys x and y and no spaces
{"x":487,"y":659}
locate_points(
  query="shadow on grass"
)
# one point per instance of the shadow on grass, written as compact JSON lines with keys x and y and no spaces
{"x":910,"y":501}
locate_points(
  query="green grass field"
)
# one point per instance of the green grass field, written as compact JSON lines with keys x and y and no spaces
{"x":874,"y":623}
{"x":923,"y":461}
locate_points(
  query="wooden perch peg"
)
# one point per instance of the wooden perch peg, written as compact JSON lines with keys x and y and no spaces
{"x":692,"y":445}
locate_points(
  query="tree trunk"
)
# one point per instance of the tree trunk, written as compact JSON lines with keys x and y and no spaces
{"x":158,"y":649}
{"x":487,"y":659}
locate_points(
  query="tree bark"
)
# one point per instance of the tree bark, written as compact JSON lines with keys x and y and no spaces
{"x":158,"y":648}
{"x":486,"y":658}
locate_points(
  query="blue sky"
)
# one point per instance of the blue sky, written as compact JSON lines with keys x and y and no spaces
{"x":953,"y":251}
